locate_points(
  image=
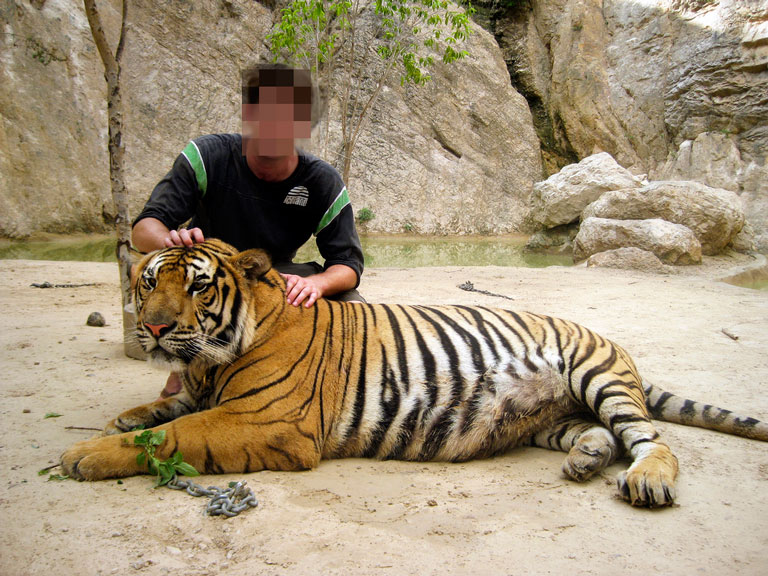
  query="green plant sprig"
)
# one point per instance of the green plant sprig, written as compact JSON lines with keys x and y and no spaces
{"x":365,"y":215}
{"x":165,"y":470}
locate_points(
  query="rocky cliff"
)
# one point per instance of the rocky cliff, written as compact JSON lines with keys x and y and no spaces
{"x":674,"y":89}
{"x":180,"y":79}
{"x":457,"y":156}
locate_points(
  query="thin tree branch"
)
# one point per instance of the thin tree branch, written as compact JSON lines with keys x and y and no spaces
{"x":121,"y":42}
{"x":100,"y":37}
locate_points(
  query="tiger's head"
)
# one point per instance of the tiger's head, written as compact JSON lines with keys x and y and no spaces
{"x":194,"y":302}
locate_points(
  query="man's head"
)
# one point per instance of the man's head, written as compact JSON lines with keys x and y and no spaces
{"x":277,"y":104}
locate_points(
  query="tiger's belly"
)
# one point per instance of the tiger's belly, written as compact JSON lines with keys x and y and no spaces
{"x":448,"y":418}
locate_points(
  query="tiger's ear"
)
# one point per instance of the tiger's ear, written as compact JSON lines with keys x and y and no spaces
{"x":253,"y":263}
{"x":135,"y":255}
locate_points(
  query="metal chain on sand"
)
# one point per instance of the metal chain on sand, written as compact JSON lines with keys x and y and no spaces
{"x":224,"y":502}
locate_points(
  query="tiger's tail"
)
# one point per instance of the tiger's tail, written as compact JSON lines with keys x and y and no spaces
{"x":669,"y":407}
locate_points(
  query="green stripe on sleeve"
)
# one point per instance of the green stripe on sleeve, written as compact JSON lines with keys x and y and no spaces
{"x":192,"y":154}
{"x":341,"y":200}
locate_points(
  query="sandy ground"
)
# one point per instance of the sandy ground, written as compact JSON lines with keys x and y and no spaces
{"x":514,"y":514}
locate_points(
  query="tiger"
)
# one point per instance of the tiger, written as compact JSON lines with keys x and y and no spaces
{"x":268,"y":385}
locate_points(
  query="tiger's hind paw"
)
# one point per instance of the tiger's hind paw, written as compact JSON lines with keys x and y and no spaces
{"x":592,"y":452}
{"x":650,"y":482}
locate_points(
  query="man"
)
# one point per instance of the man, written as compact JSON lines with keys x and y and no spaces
{"x":256,"y":190}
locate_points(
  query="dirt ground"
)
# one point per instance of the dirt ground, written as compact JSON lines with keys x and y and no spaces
{"x":515,"y":514}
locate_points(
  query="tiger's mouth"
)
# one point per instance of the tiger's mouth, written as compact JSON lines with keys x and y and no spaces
{"x":178,"y":352}
{"x":162,"y":358}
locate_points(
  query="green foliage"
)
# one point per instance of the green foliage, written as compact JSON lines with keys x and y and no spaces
{"x":305,"y":30}
{"x":57,"y":477}
{"x":38,"y":51}
{"x":52,"y":477}
{"x":413,"y":32}
{"x":410,"y":26}
{"x":166,"y":470}
{"x":365,"y":215}
{"x":52,"y":415}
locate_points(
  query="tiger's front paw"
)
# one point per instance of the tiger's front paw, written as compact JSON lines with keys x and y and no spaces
{"x":127,"y":422}
{"x":150,"y":415}
{"x":100,"y":458}
{"x":112,"y":428}
{"x":134,"y":419}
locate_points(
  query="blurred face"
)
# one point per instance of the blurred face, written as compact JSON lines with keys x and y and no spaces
{"x":271,"y":127}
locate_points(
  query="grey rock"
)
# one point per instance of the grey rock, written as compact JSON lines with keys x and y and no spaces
{"x":713,"y":214}
{"x":562,"y":197}
{"x":712,"y":158}
{"x":628,"y":259}
{"x":457,"y":155}
{"x":96,"y":319}
{"x":671,"y":243}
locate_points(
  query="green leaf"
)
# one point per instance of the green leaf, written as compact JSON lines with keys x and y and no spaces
{"x":186,"y":469}
{"x":141,"y":458}
{"x":52,"y":415}
{"x":143,"y":438}
{"x":166,"y":473}
{"x":158,"y":438}
{"x":57,"y":477}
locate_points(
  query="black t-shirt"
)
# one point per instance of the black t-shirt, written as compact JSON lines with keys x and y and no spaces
{"x":211,"y":183}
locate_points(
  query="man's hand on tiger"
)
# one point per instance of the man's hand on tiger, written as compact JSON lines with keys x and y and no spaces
{"x":184,"y":237}
{"x":300,"y":290}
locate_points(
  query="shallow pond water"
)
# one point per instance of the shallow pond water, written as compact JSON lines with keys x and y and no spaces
{"x":379,"y":251}
{"x":757,"y":279}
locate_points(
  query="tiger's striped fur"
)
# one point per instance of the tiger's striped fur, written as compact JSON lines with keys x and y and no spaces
{"x":272,"y":386}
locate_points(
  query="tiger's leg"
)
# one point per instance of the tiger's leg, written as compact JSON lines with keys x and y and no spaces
{"x":618,"y":401}
{"x":214,"y":441}
{"x":590,"y":446}
{"x":153,"y":414}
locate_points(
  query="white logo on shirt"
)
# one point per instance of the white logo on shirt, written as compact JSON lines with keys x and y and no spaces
{"x":297,"y":196}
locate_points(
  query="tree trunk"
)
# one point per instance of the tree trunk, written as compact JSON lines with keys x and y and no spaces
{"x":116,"y":173}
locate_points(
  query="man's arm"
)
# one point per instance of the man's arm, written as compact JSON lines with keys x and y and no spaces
{"x":174,"y":201}
{"x":150,"y":234}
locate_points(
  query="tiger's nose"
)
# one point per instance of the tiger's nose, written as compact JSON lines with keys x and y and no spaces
{"x":158,"y":329}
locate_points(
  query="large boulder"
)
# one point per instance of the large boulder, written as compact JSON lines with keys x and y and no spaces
{"x":562,"y":197}
{"x":715,"y":215}
{"x":671,"y":243}
{"x":628,"y":259}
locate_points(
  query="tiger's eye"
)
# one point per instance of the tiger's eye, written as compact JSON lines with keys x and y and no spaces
{"x":198,"y":286}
